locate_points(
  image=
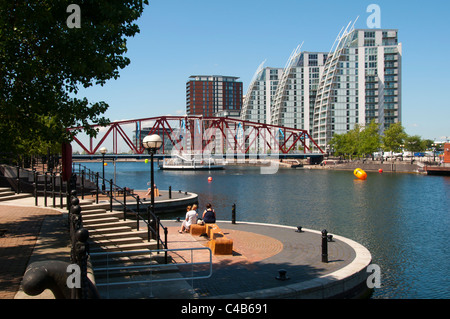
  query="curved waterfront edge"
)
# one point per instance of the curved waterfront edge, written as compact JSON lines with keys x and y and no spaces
{"x":347,"y":282}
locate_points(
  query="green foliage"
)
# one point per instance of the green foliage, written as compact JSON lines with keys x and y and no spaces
{"x":44,"y":63}
{"x":358,"y":142}
{"x":394,"y":137}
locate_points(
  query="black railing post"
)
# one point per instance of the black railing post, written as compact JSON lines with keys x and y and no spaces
{"x":165,"y":244}
{"x":138,"y":214}
{"x":35,"y":186}
{"x":60,"y":191}
{"x":96,"y":185}
{"x":124,"y":203}
{"x":45,"y":189}
{"x":18,"y":179}
{"x":111,"y":195}
{"x":82,"y":183}
{"x":53,"y":176}
{"x":170,"y":192}
{"x":233,"y":214}
{"x":324,"y":246}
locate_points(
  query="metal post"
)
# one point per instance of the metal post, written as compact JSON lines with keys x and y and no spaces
{"x":35,"y":188}
{"x":138,"y":213}
{"x":82,"y":184}
{"x":233,"y":214}
{"x":165,"y":243}
{"x":152,"y":185}
{"x":45,"y":189}
{"x":96,"y":185}
{"x":124,"y":203}
{"x":324,"y":246}
{"x":60,"y":191}
{"x":111,"y":193}
{"x":53,"y":176}
{"x":18,"y":179}
{"x":103,"y":178}
{"x":170,"y":192}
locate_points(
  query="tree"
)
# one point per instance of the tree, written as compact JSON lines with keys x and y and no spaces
{"x":415,"y":144}
{"x":44,"y":62}
{"x":394,"y":137}
{"x":370,"y":141}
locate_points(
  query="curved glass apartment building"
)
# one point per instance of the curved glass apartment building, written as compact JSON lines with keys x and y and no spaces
{"x":361,"y":82}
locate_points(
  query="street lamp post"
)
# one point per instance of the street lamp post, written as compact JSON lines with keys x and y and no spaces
{"x":152,"y":143}
{"x":103,"y":150}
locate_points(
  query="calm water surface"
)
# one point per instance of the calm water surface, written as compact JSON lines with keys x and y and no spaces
{"x":403,"y":219}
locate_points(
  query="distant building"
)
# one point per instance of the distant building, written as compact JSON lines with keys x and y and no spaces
{"x":212,"y":95}
{"x":361,"y":83}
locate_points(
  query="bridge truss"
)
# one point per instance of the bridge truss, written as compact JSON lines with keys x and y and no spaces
{"x":200,"y":135}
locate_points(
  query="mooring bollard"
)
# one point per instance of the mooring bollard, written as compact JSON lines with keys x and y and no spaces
{"x":233,"y":214}
{"x":324,"y":246}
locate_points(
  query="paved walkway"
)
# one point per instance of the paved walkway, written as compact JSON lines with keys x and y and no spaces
{"x":260,"y":251}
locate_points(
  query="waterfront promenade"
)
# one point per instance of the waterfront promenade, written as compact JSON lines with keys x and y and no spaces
{"x":259,"y":252}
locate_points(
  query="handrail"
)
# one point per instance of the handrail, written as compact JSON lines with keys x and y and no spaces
{"x":158,"y":266}
{"x":150,"y":215}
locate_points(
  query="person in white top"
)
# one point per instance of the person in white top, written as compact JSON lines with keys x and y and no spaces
{"x":191,"y":218}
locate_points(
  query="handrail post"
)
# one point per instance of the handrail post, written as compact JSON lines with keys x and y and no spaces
{"x":18,"y":179}
{"x":45,"y":189}
{"x":165,"y":244}
{"x":96,"y":185}
{"x":124,"y":203}
{"x":111,"y":195}
{"x":53,"y":176}
{"x":82,"y":183}
{"x":60,"y":191}
{"x":35,"y":188}
{"x":138,"y":212}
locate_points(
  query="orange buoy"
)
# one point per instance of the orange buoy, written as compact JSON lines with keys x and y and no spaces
{"x":210,"y":179}
{"x":380,"y":171}
{"x":360,"y":174}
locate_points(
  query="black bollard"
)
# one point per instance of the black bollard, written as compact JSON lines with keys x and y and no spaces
{"x":233,"y":214}
{"x":324,"y":246}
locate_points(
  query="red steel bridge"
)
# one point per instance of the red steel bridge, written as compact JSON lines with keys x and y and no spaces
{"x":198,"y":134}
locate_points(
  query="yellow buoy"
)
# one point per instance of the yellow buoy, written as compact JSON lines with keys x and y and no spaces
{"x":360,"y":174}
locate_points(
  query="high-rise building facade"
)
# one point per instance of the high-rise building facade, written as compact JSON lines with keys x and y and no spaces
{"x":258,"y":101}
{"x":296,"y":93}
{"x":212,"y":95}
{"x":361,"y":83}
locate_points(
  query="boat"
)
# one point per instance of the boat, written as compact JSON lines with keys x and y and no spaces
{"x":182,"y":163}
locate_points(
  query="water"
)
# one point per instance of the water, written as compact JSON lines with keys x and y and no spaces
{"x":403,"y":219}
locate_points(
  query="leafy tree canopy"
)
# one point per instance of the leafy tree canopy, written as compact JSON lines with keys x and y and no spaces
{"x":44,"y":62}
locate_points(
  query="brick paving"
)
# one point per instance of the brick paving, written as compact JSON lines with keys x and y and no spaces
{"x":19,"y":230}
{"x":260,"y":251}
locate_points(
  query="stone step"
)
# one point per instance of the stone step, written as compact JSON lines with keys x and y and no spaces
{"x":7,"y":193}
{"x":119,"y":234}
{"x":130,"y":258}
{"x":109,"y":231}
{"x":93,"y":206}
{"x":5,"y":189}
{"x":96,"y":221}
{"x":13,"y":197}
{"x":91,"y":226}
{"x":115,"y":241}
{"x":100,"y":215}
{"x":125,"y":247}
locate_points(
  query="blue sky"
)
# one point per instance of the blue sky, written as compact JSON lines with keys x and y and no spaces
{"x":180,"y":38}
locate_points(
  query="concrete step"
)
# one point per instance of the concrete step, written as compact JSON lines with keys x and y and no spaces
{"x":120,"y":234}
{"x":6,"y":193}
{"x":130,"y":258}
{"x":125,"y":247}
{"x":100,"y":215}
{"x":93,"y":206}
{"x":110,"y":230}
{"x":5,"y":189}
{"x":95,"y":221}
{"x":91,"y":226}
{"x":114,"y":241}
{"x":14,"y":197}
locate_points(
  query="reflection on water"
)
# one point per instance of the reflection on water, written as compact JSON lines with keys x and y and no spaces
{"x":403,"y":219}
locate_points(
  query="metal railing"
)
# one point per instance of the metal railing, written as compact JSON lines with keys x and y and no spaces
{"x":152,"y":222}
{"x":151,"y":277}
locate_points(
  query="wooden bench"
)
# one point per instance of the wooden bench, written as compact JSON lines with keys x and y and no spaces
{"x":218,"y":243}
{"x":197,"y":230}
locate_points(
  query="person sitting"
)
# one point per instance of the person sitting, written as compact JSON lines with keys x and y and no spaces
{"x":149,"y":191}
{"x":209,"y":215}
{"x":191,"y":218}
